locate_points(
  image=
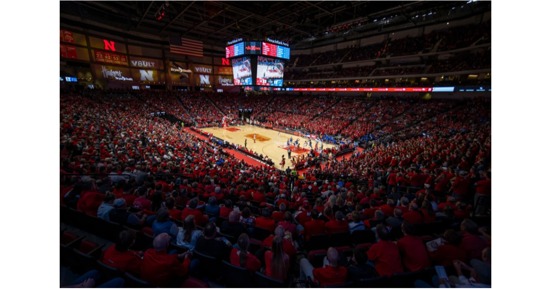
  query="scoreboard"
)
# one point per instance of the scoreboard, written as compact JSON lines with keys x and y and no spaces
{"x":257,"y":62}
{"x":274,"y":50}
{"x":234,"y":50}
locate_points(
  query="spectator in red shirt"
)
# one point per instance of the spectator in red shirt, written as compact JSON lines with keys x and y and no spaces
{"x":471,"y":243}
{"x":89,"y":202}
{"x":277,"y":262}
{"x":413,"y":216}
{"x":482,"y":197}
{"x":191,"y":209}
{"x":265,"y":221}
{"x":175,"y":213}
{"x":120,"y":256}
{"x":338,"y":225}
{"x":241,"y":257}
{"x":288,"y":224}
{"x":288,"y":244}
{"x":412,"y":249}
{"x":160,"y":268}
{"x":226,"y":208}
{"x":330,"y":274}
{"x":449,"y":251}
{"x":385,"y":253}
{"x":313,"y":227}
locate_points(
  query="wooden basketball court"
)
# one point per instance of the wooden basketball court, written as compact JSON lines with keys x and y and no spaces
{"x":269,"y":142}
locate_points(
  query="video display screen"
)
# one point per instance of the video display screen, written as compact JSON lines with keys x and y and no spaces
{"x":234,"y":50}
{"x":274,"y":50}
{"x":253,"y":47}
{"x":242,"y":71}
{"x":270,"y":71}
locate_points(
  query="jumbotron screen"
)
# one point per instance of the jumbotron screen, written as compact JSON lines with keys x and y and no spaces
{"x":242,"y":71}
{"x":270,"y":71}
{"x":274,"y":50}
{"x":234,"y":50}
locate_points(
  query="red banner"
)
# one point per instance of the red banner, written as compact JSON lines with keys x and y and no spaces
{"x":68,"y":51}
{"x":109,"y":57}
{"x":227,"y":70}
{"x":66,"y":36}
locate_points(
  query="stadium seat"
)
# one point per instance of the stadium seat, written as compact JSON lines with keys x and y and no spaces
{"x":208,"y":267}
{"x":133,"y":281}
{"x":263,"y":281}
{"x":108,"y":272}
{"x":235,"y":276}
{"x":192,"y":282}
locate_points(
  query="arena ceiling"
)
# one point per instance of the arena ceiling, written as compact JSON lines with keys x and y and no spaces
{"x":216,"y":22}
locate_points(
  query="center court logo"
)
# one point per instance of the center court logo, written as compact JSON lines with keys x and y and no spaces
{"x":259,"y":137}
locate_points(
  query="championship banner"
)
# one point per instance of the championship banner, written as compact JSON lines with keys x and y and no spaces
{"x":109,"y":57}
{"x":73,"y":52}
{"x":66,"y":36}
{"x":72,"y":37}
{"x":68,"y":51}
{"x":225,"y":70}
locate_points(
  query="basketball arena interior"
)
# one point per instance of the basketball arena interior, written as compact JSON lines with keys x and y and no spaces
{"x":275,"y":144}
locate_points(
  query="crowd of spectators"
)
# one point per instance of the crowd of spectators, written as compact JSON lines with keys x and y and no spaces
{"x":122,"y":162}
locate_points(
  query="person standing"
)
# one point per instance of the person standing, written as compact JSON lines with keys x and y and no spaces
{"x":245,"y":142}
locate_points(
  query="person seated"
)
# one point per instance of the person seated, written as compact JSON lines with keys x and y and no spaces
{"x":449,"y":251}
{"x":120,"y":256}
{"x":413,"y":250}
{"x":330,"y":274}
{"x":472,"y":243}
{"x":359,"y":268}
{"x":288,"y":244}
{"x":212,"y":209}
{"x":338,"y":225}
{"x":106,"y":206}
{"x":188,"y":235}
{"x":163,"y":224}
{"x":241,"y":257}
{"x":265,"y":221}
{"x":277,"y":262}
{"x":232,"y":226}
{"x":356,"y":224}
{"x":314,"y":227}
{"x":209,"y":244}
{"x":289,"y":224}
{"x":192,"y":209}
{"x":120,"y":214}
{"x":91,"y":279}
{"x":175,"y":213}
{"x":385,"y":253}
{"x":162,"y":269}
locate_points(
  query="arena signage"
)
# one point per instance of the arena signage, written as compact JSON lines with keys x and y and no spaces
{"x":277,"y":41}
{"x":146,"y":75}
{"x":113,"y":58}
{"x":201,"y":69}
{"x":234,"y":41}
{"x":114,"y":74}
{"x":109,"y":45}
{"x":180,"y":70}
{"x":204,"y":79}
